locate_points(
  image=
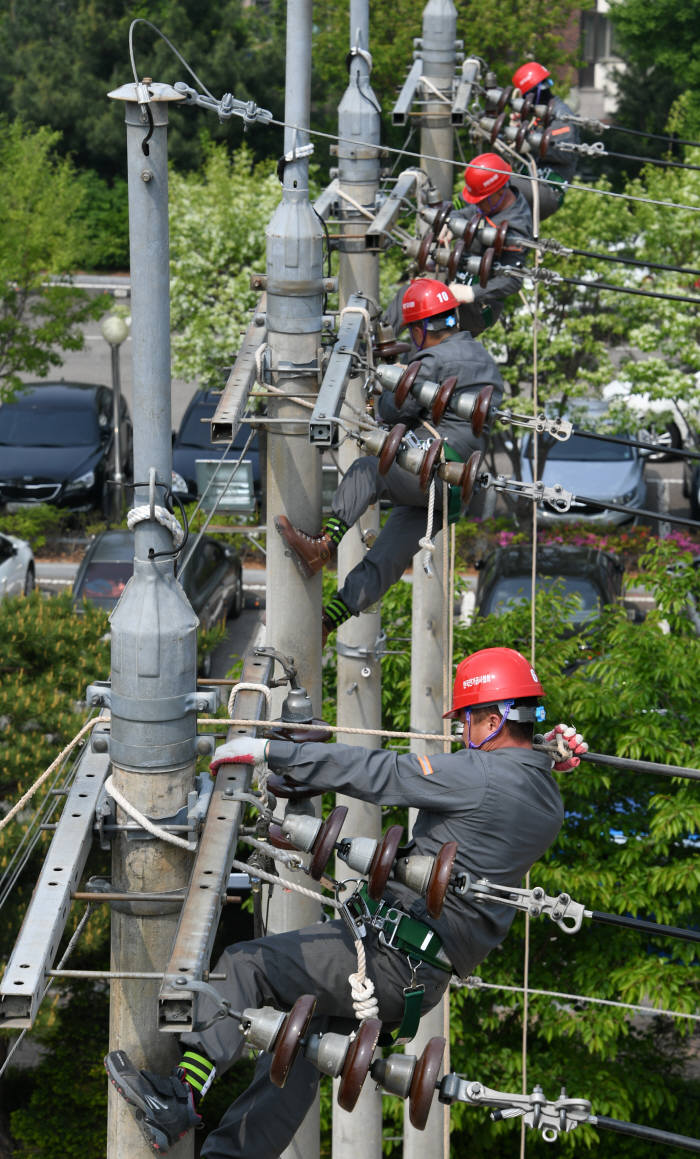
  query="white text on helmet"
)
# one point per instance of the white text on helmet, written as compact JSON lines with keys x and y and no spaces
{"x":485,"y":678}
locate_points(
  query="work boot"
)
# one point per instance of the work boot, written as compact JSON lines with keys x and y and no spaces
{"x":163,"y":1106}
{"x":309,"y":552}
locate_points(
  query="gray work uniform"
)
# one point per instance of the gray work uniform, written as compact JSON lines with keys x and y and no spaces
{"x":558,"y":165}
{"x":487,"y":306}
{"x":384,"y":564}
{"x":503,"y":808}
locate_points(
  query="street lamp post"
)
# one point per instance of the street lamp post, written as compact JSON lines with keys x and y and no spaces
{"x":115,"y":330}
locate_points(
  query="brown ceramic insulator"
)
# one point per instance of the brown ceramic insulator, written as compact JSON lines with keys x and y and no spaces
{"x":289,"y":1038}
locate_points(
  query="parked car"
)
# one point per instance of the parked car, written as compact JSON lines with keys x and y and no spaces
{"x":591,"y":468}
{"x":57,"y":445}
{"x":17,"y":570}
{"x":212,"y":579}
{"x":665,"y":421}
{"x":192,"y":443}
{"x":504,"y":579}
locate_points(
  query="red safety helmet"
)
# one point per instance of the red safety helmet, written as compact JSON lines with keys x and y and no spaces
{"x":493,"y":674}
{"x":481,"y":181}
{"x":424,"y":298}
{"x":529,"y":75}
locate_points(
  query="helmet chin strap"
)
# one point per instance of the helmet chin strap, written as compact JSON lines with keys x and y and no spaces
{"x":470,"y":743}
{"x":424,"y":330}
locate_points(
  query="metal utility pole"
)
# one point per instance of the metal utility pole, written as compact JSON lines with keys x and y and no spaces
{"x":294,"y":286}
{"x":359,"y":669}
{"x":429,"y":594}
{"x":154,"y":639}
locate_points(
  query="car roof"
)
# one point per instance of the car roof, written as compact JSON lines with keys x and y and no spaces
{"x":556,"y":557}
{"x":113,"y":544}
{"x":57,"y":394}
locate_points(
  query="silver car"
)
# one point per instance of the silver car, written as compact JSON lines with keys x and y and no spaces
{"x":17,"y":570}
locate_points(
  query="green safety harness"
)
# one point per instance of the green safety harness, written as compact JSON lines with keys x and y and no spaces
{"x":399,"y":931}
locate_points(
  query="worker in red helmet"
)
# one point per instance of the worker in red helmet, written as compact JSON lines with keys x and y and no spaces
{"x":429,"y":309}
{"x":496,"y":799}
{"x":556,"y":169}
{"x":489,"y":194}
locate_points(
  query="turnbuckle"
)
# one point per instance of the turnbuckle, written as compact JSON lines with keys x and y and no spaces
{"x":555,"y":495}
{"x":551,"y":1118}
{"x":564,"y":912}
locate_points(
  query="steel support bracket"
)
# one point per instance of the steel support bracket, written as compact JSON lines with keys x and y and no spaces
{"x":188,"y":819}
{"x":227,"y":417}
{"x":404,"y":100}
{"x":378,"y":233}
{"x":323,"y":425}
{"x":24,"y":981}
{"x":357,"y":652}
{"x":200,"y":912}
{"x":460,"y":105}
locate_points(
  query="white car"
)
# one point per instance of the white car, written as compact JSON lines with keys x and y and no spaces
{"x":17,"y":571}
{"x":666,"y":421}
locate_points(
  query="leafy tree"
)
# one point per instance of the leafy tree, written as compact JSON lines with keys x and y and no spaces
{"x":217,"y":239}
{"x":40,"y":239}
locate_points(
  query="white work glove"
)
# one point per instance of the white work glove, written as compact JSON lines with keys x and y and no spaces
{"x":573,"y":741}
{"x":242,"y":750}
{"x":462,"y":293}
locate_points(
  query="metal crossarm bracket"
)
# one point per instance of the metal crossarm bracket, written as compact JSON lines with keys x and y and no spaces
{"x":323,"y":426}
{"x":567,"y":914}
{"x":24,"y":981}
{"x":227,"y":107}
{"x":356,"y":652}
{"x":227,"y":417}
{"x":378,"y":234}
{"x":187,"y":819}
{"x":200,"y":913}
{"x":555,"y":495}
{"x":405,"y":98}
{"x":550,"y":1117}
{"x":460,"y":105}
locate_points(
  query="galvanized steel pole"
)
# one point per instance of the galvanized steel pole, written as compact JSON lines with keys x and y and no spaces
{"x":294,"y":316}
{"x":154,"y":641}
{"x":359,"y":671}
{"x":427,"y":684}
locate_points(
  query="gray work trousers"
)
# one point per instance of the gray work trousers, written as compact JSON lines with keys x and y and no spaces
{"x":398,"y":541}
{"x":275,"y":971}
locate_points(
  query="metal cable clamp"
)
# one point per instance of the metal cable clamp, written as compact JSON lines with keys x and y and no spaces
{"x":564,"y":912}
{"x":551,"y":1118}
{"x":555,"y":495}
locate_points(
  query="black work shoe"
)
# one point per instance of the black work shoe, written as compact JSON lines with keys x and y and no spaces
{"x":163,"y":1105}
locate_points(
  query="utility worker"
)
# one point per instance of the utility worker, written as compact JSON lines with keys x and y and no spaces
{"x":558,"y":166}
{"x":429,"y":309}
{"x":496,"y":798}
{"x":489,"y":193}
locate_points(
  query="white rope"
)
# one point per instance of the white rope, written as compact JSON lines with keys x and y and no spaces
{"x":260,"y":351}
{"x":364,"y":1002}
{"x":475,"y":983}
{"x":245,"y":687}
{"x":162,"y":515}
{"x":145,"y":823}
{"x":45,"y":775}
{"x":427,"y":541}
{"x":220,"y":721}
{"x":361,"y":987}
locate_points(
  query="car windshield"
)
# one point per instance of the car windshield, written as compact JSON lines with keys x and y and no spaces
{"x":104,"y":581}
{"x":580,"y":450}
{"x":40,"y":427}
{"x":511,"y":590}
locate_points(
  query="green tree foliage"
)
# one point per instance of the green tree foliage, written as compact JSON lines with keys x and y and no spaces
{"x":40,"y":238}
{"x":217,"y":239}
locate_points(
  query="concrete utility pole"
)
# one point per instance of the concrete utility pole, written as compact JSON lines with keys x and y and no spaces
{"x":154,"y":639}
{"x":294,"y":318}
{"x":359,"y":671}
{"x":427,"y":682}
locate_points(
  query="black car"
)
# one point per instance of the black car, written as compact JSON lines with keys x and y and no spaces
{"x":57,"y":445}
{"x":212,"y":578}
{"x":192,"y":443}
{"x":505,"y":578}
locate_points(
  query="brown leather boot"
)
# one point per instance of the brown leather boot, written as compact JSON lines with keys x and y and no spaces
{"x":309,"y":552}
